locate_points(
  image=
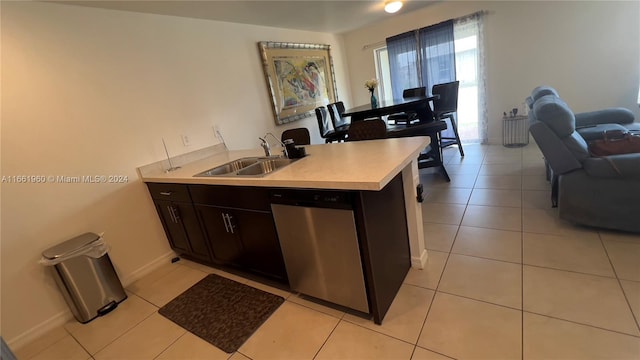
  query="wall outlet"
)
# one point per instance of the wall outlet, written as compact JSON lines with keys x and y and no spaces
{"x":185,"y":140}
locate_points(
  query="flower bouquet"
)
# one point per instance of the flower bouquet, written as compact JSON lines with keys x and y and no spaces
{"x":371,"y":84}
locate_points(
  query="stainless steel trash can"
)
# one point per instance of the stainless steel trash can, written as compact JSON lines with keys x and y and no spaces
{"x":85,"y":275}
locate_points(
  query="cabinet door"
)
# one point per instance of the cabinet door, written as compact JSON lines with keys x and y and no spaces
{"x":186,"y":214}
{"x":183,"y":229}
{"x":221,"y":233}
{"x":261,"y":247}
{"x":173,"y":228}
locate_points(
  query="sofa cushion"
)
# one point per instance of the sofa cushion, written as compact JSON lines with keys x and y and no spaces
{"x":577,"y":145}
{"x":552,"y":111}
{"x":635,"y":127}
{"x":590,"y":133}
{"x":620,"y":116}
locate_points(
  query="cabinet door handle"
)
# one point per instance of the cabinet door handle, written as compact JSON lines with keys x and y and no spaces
{"x":224,"y":219}
{"x":173,"y":216}
{"x":166,"y":193}
{"x":230,"y":223}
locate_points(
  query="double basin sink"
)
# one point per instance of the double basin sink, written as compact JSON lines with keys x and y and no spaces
{"x":248,"y":166}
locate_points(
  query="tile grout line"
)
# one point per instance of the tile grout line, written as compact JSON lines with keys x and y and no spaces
{"x":480,"y":300}
{"x":173,"y":342}
{"x":522,"y":275}
{"x":327,"y":339}
{"x":435,"y":293}
{"x":582,"y":324}
{"x":615,"y":273}
{"x":569,"y":271}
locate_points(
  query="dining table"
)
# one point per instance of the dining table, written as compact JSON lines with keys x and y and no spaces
{"x":419,"y":105}
{"x":426,"y":125}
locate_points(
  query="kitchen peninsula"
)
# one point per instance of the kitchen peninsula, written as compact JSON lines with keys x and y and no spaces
{"x":229,"y":220}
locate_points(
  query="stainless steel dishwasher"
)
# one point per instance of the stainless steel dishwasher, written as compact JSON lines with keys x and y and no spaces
{"x":319,"y":242}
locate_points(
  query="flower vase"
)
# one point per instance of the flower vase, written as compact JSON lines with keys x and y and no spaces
{"x":374,"y":100}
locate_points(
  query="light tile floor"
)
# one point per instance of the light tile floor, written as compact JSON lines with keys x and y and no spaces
{"x":505,"y":279}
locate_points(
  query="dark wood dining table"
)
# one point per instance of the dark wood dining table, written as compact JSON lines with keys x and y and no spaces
{"x":425,"y":126}
{"x":420,"y":105}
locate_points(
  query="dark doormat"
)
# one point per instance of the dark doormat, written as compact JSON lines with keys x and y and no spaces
{"x":221,"y":311}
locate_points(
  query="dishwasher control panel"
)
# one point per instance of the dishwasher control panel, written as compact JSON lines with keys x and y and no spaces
{"x":313,"y":198}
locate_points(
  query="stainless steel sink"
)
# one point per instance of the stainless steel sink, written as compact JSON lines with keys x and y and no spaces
{"x":249,"y":166}
{"x":265,"y":167}
{"x":230,"y":167}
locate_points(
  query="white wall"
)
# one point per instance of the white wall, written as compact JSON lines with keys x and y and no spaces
{"x":588,"y":50}
{"x":92,"y":92}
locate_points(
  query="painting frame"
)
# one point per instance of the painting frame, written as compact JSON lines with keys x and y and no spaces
{"x":299,"y":77}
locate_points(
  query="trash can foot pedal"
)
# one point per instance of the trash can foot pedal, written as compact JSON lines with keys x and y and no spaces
{"x":107,"y":308}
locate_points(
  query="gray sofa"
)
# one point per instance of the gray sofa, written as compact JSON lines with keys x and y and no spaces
{"x":591,"y":125}
{"x":593,"y":191}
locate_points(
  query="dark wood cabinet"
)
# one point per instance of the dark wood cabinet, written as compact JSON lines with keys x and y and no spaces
{"x":179,"y":220}
{"x":228,"y":225}
{"x":261,"y":248}
{"x":244,"y":238}
{"x":234,"y":226}
{"x":221,"y":231}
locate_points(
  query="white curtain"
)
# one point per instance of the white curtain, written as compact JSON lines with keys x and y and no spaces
{"x":470,"y":71}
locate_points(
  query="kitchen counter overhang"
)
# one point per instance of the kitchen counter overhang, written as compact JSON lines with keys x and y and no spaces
{"x":361,"y":165}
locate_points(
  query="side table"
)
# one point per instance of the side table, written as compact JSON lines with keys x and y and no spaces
{"x":515,"y":131}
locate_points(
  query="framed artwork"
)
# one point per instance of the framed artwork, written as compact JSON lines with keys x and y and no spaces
{"x":299,"y":78}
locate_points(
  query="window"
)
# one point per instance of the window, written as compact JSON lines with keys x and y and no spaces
{"x":471,"y":115}
{"x":383,"y":73}
{"x":466,"y":44}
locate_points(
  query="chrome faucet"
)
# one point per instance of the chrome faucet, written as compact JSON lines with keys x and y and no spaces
{"x":265,"y":145}
{"x":267,"y":148}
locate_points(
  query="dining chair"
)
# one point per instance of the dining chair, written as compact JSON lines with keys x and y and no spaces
{"x":408,"y":117}
{"x":446,"y":107}
{"x":367,"y":130}
{"x":326,"y":128}
{"x":431,"y":156}
{"x":336,"y":110}
{"x":300,"y":136}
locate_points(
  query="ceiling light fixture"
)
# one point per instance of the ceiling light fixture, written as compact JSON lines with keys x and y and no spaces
{"x":392,"y":6}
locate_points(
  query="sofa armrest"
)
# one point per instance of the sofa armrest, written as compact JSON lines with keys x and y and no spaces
{"x":606,"y":116}
{"x":614,"y":166}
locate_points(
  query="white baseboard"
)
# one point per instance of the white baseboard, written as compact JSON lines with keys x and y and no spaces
{"x":63,"y":317}
{"x":419,"y":262}
{"x":37,"y":331}
{"x":146,"y":269}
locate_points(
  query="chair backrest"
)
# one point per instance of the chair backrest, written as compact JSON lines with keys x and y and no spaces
{"x":335,"y":111}
{"x":414,"y":92}
{"x":552,"y":125}
{"x":367,"y":130}
{"x":300,"y":136}
{"x":448,"y":101}
{"x":324,"y":124}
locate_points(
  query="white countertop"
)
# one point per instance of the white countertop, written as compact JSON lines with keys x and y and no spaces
{"x":358,"y":165}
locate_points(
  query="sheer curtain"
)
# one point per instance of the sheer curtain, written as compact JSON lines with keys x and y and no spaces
{"x":437,"y":54}
{"x":472,"y":110}
{"x":403,"y":62}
